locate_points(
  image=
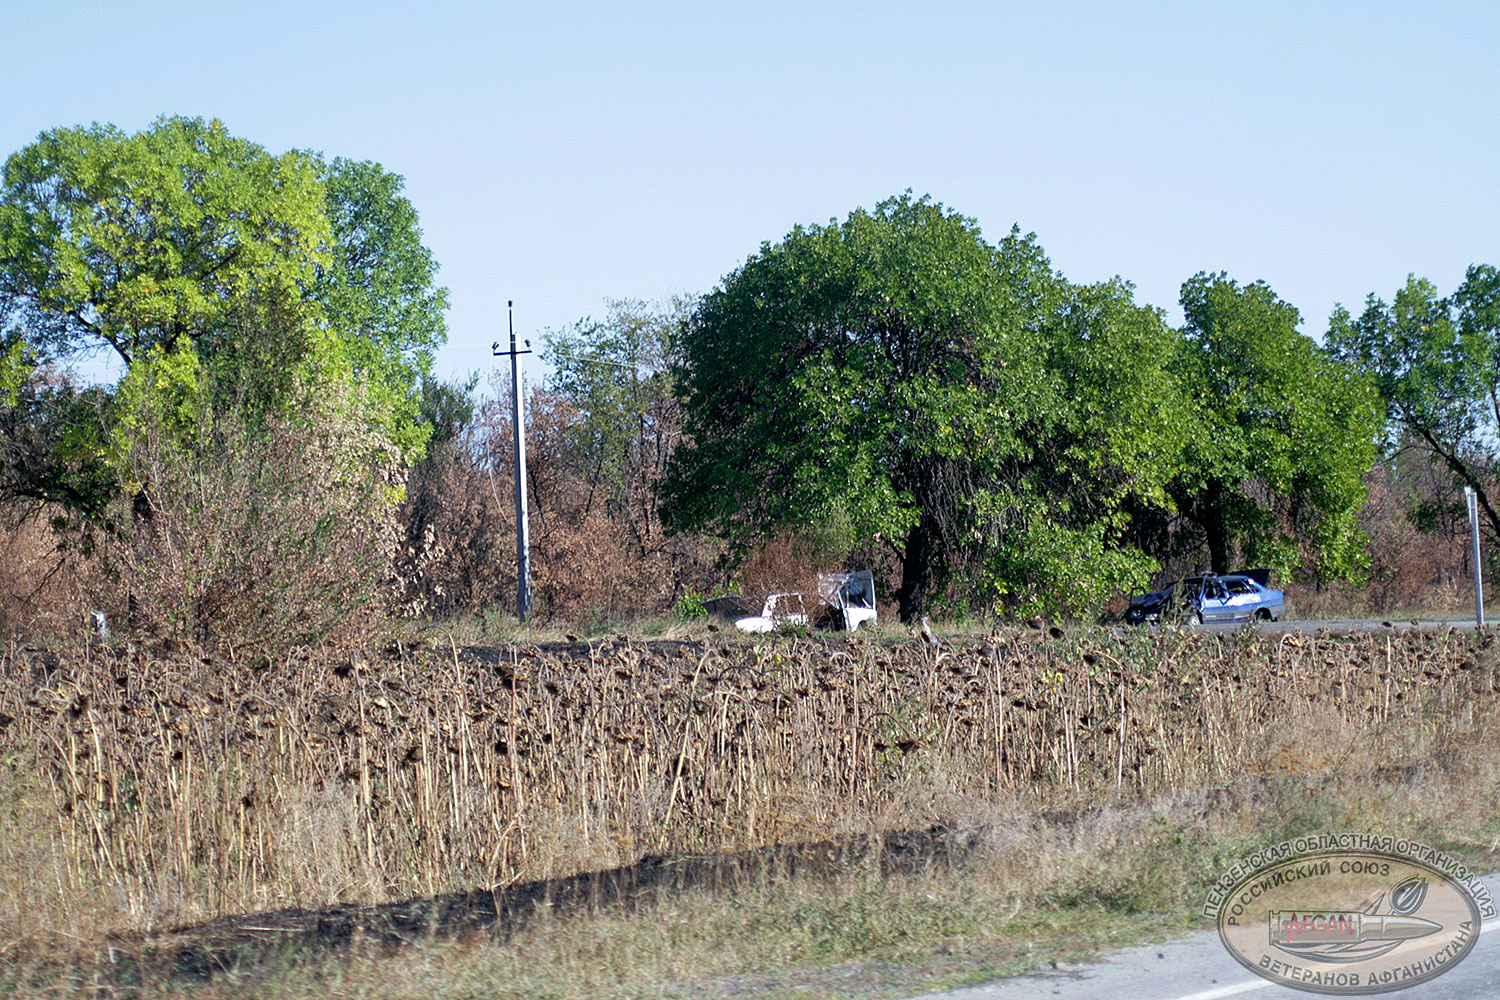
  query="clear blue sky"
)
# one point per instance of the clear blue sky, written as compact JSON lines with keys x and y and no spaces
{"x":564,"y":154}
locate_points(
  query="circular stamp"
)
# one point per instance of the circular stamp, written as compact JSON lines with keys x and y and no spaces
{"x":1349,"y":914}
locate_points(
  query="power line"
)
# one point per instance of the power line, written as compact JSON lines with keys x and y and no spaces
{"x":629,"y":366}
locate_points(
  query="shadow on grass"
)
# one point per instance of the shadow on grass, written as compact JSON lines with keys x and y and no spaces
{"x":242,"y":944}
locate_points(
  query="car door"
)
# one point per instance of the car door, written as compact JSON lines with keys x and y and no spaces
{"x":1215,"y":605}
{"x":1244,"y":597}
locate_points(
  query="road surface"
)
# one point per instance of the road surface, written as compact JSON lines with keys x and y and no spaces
{"x":1311,"y":626}
{"x":1198,"y":968}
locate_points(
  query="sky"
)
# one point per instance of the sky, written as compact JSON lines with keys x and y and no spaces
{"x":562,"y":155}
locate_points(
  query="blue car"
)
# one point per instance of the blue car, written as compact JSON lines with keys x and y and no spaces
{"x":1234,"y":597}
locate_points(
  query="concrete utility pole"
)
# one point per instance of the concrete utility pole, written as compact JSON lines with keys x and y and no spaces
{"x":1473,"y":502}
{"x":523,"y":530}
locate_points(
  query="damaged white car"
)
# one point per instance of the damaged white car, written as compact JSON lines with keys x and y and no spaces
{"x":779,"y":609}
{"x":847,"y":601}
{"x":850,"y":596}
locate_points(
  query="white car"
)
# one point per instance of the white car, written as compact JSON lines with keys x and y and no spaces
{"x":779,"y":610}
{"x":845,"y":600}
{"x":851,"y":596}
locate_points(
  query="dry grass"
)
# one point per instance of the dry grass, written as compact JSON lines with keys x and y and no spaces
{"x":143,"y":795}
{"x":1031,"y":889}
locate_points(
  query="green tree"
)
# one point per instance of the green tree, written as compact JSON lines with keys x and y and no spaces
{"x":51,"y":434}
{"x":895,"y":378}
{"x":131,"y":241}
{"x":616,"y":374}
{"x":1102,"y":450}
{"x":262,"y":262}
{"x":379,"y":291}
{"x":1282,"y":434}
{"x":52,"y":447}
{"x":15,"y":367}
{"x":266,"y":308}
{"x":1436,"y":362}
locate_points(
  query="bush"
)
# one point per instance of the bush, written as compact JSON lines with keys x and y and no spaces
{"x":689,"y":606}
{"x":252,"y":529}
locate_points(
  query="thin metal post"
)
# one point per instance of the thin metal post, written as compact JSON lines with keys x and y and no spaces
{"x":518,"y":412}
{"x":1473,"y":502}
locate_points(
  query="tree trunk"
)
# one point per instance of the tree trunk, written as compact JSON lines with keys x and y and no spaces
{"x":916,"y":570}
{"x":1217,"y":535}
{"x":142,"y":517}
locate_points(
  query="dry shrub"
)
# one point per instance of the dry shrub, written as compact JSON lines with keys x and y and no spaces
{"x":49,"y":581}
{"x":263,"y":534}
{"x":1412,"y":566}
{"x":459,"y":554}
{"x":598,"y":551}
{"x":785,"y":562}
{"x":252,"y":507}
{"x":601,"y":551}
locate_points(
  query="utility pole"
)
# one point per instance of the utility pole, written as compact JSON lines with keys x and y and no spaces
{"x":1473,"y":502}
{"x":523,"y":531}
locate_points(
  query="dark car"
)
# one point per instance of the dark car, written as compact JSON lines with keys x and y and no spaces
{"x":1233,"y":597}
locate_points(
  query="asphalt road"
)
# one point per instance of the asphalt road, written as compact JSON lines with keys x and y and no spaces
{"x":1310,"y":626}
{"x":1198,"y":968}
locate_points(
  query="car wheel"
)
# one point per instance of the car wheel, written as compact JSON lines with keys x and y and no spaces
{"x":1263,"y":615}
{"x":1198,"y":617}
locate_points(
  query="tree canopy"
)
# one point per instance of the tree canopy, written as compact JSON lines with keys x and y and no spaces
{"x":378,"y":288}
{"x":1283,"y":434}
{"x":134,"y":240}
{"x":184,"y":232}
{"x":1436,"y":362}
{"x":896,"y":378}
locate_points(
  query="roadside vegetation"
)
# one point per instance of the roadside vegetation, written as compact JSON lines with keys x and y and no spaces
{"x":676,"y":814}
{"x":277,"y":467}
{"x":268,"y":725}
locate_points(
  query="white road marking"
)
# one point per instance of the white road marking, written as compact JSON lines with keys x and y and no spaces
{"x":1228,"y":991}
{"x":1260,"y":984}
